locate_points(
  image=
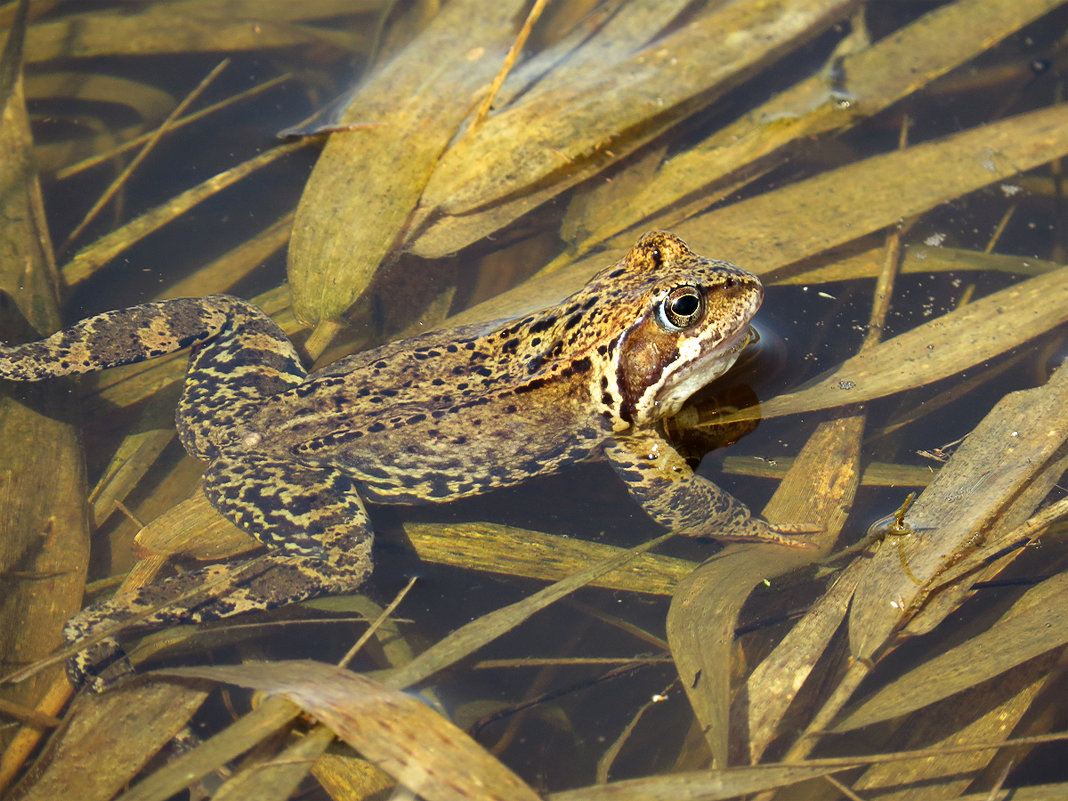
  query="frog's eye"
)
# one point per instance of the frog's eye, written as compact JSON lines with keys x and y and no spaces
{"x":681,"y":309}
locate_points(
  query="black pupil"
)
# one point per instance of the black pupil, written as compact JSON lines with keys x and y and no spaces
{"x":685,"y":306}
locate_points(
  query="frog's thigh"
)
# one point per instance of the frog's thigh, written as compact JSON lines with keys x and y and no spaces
{"x":667,"y":489}
{"x":301,"y":509}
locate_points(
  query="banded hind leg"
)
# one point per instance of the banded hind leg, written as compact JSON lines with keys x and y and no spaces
{"x":311,"y":517}
{"x":240,"y":356}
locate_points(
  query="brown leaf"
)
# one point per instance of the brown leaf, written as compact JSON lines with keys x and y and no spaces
{"x":403,"y":736}
{"x":111,"y":737}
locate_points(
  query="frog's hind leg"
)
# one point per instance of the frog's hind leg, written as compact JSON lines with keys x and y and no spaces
{"x":249,"y":359}
{"x":117,"y":337}
{"x":239,"y":357}
{"x":310,"y":516}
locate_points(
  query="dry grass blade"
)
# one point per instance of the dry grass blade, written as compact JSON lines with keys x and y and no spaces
{"x":874,"y":78}
{"x":146,"y":101}
{"x":557,"y":138}
{"x":935,"y":350}
{"x":100,"y":150}
{"x":156,"y":29}
{"x":732,"y":782}
{"x":349,"y":777}
{"x":418,"y":747}
{"x":1035,"y":624}
{"x":919,"y":258}
{"x":774,"y":683}
{"x":278,"y":778}
{"x":876,"y":474}
{"x":367,"y":183}
{"x":153,"y":140}
{"x":987,"y":712}
{"x":975,"y":496}
{"x":111,"y":737}
{"x":533,"y":554}
{"x":703,"y":786}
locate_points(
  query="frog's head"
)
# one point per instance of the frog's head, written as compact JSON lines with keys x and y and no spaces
{"x":672,"y":322}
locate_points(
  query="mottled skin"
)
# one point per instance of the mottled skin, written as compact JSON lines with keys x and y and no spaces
{"x":443,"y":416}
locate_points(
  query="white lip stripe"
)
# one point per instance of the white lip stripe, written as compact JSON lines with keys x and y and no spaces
{"x":693,"y":369}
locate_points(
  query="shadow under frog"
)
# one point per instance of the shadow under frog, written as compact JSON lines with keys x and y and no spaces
{"x":291,"y":456}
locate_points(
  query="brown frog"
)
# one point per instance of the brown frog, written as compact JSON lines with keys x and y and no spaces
{"x":292,"y":456}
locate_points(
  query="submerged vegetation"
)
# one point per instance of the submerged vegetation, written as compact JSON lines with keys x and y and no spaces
{"x":893,"y":166}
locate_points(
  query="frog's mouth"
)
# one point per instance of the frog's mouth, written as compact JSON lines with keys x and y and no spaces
{"x":703,"y":369}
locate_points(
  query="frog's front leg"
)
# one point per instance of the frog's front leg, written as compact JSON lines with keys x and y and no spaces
{"x":309,"y":515}
{"x":681,"y":501}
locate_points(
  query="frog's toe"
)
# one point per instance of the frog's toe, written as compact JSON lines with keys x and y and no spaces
{"x":787,"y":534}
{"x":757,"y":529}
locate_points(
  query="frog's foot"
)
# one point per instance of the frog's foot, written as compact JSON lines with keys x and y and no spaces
{"x":99,"y":666}
{"x":209,"y":593}
{"x":309,"y":515}
{"x":691,"y":505}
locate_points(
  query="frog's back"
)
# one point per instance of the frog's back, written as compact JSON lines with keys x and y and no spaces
{"x":446,"y":415}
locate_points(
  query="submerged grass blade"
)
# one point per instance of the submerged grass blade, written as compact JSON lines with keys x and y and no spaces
{"x":215,"y":752}
{"x":44,"y":537}
{"x":545,"y":143}
{"x":774,"y":230}
{"x":418,"y":747}
{"x":704,"y":611}
{"x":967,"y":502}
{"x":990,"y":484}
{"x":1035,"y":624}
{"x":111,"y":737}
{"x":522,"y":552}
{"x":367,"y":183}
{"x":98,"y":254}
{"x":469,"y":638}
{"x":873,"y":78}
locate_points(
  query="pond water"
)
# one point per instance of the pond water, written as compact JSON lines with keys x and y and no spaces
{"x":791,"y":138}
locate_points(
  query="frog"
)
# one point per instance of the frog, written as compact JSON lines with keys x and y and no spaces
{"x":293,"y":457}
